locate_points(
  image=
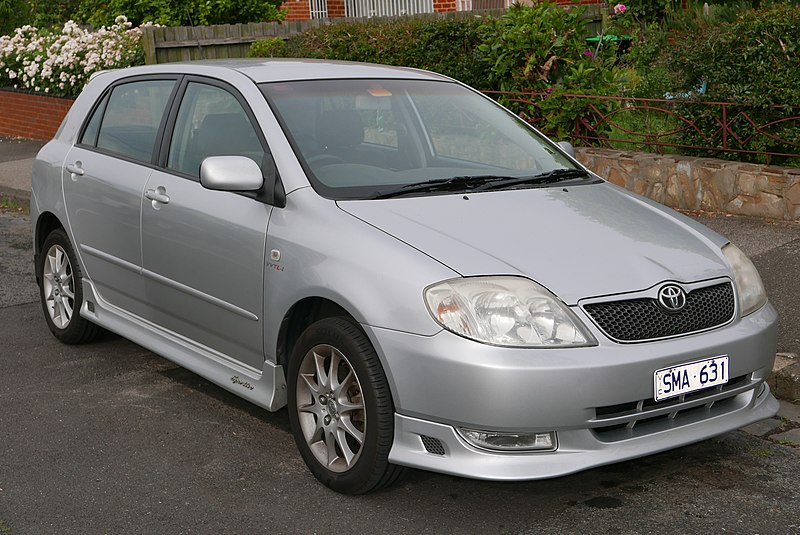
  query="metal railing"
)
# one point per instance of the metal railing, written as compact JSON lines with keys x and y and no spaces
{"x":386,"y":8}
{"x":478,"y":5}
{"x":318,"y":9}
{"x":672,"y":125}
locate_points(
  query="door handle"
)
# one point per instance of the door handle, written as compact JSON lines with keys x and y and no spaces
{"x":158,"y":196}
{"x":75,"y":170}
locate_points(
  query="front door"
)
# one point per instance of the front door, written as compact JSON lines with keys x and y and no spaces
{"x":203,"y":251}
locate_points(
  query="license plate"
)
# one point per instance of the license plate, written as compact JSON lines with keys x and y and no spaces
{"x":685,"y":378}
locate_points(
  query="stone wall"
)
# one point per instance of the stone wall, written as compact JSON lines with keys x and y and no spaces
{"x":704,"y":184}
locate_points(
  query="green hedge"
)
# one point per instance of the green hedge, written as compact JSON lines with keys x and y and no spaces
{"x":446,"y":46}
{"x":529,"y":48}
{"x":754,"y":60}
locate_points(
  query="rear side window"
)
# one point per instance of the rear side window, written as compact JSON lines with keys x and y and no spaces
{"x":129,"y":120}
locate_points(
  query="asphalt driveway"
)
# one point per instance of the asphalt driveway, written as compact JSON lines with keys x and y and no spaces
{"x":110,"y":438}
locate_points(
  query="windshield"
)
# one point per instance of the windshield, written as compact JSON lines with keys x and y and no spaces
{"x":376,"y":138}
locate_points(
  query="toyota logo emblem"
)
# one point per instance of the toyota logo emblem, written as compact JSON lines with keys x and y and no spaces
{"x":672,"y":298}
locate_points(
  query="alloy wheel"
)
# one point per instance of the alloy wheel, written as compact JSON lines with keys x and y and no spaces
{"x":330,"y":408}
{"x":59,"y":286}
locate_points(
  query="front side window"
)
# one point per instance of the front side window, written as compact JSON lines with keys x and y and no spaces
{"x":368,"y":138}
{"x":211,"y":122}
{"x":131,"y":119}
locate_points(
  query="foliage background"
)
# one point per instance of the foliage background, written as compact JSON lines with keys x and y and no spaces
{"x":447,"y":46}
{"x":750,"y":57}
{"x":54,"y":13}
{"x":741,"y":51}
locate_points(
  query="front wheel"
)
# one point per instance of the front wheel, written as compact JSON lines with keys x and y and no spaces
{"x":340,"y":408}
{"x":61,"y":292}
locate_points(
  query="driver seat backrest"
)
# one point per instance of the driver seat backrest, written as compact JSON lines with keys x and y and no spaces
{"x":223,"y":134}
{"x":339,"y":130}
{"x":341,"y":133}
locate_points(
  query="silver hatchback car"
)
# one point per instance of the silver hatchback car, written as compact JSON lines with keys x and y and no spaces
{"x":424,"y":279}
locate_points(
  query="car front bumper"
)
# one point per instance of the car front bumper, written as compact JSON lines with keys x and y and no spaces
{"x":598,"y":400}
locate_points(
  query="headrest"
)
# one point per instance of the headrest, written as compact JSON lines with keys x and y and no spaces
{"x":226,"y":134}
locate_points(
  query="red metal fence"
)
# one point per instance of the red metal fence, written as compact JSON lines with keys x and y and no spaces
{"x":672,"y":125}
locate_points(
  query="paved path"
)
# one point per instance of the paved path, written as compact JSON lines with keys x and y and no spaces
{"x":16,"y":159}
{"x":110,"y":438}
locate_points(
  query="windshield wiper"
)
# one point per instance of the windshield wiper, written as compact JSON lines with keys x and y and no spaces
{"x":480,"y":182}
{"x":455,"y":183}
{"x":550,"y":177}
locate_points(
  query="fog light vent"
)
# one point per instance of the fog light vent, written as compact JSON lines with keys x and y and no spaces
{"x":432,"y":445}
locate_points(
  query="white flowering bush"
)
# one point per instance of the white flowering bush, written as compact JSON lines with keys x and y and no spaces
{"x":61,"y":63}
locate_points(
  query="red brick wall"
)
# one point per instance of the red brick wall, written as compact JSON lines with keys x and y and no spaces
{"x":297,"y":9}
{"x":335,"y":8}
{"x":31,"y":116}
{"x":443,"y":6}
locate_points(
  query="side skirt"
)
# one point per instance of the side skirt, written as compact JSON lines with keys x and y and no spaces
{"x":265,"y":388}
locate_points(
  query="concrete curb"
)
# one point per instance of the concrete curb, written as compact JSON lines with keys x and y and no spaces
{"x":15,"y":180}
{"x":785,"y":377}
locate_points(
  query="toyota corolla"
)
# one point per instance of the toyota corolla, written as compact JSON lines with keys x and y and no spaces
{"x":421,"y":277}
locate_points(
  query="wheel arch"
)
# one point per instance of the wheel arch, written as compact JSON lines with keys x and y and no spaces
{"x":46,"y":223}
{"x":299,"y":316}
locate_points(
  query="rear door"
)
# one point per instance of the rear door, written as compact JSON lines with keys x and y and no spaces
{"x":203,"y":250}
{"x":104,"y":176}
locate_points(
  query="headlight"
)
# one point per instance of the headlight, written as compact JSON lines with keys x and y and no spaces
{"x":505,"y":311}
{"x":748,"y":282}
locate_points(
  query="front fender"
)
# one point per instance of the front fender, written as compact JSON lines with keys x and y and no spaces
{"x":314,"y":249}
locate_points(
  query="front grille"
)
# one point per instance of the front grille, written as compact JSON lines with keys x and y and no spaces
{"x":637,"y":418}
{"x":642,"y":319}
{"x":432,"y":445}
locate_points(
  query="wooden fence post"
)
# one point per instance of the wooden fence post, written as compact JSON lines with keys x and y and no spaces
{"x":149,"y":45}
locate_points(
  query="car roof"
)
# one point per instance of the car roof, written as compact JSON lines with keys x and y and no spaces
{"x":283,"y":70}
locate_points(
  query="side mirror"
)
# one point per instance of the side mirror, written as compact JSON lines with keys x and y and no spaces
{"x":231,"y":173}
{"x":567,"y":147}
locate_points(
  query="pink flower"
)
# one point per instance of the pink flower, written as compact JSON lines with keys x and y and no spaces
{"x":619,"y":9}
{"x":588,"y":53}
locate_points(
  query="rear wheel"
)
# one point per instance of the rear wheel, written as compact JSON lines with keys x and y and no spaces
{"x":340,"y":408}
{"x":61,"y":292}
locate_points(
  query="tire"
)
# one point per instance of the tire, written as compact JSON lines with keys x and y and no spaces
{"x":343,"y":423}
{"x":61,"y":291}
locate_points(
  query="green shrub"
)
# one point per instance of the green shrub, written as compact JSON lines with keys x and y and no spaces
{"x":39,"y":13}
{"x":179,"y":12}
{"x":272,"y":47}
{"x":542,"y":48}
{"x":751,"y":61}
{"x":447,"y":46}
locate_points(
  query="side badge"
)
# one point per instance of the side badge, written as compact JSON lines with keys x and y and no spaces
{"x":275,"y":257}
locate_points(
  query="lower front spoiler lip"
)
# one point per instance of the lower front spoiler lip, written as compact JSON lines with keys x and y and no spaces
{"x":578,"y":449}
